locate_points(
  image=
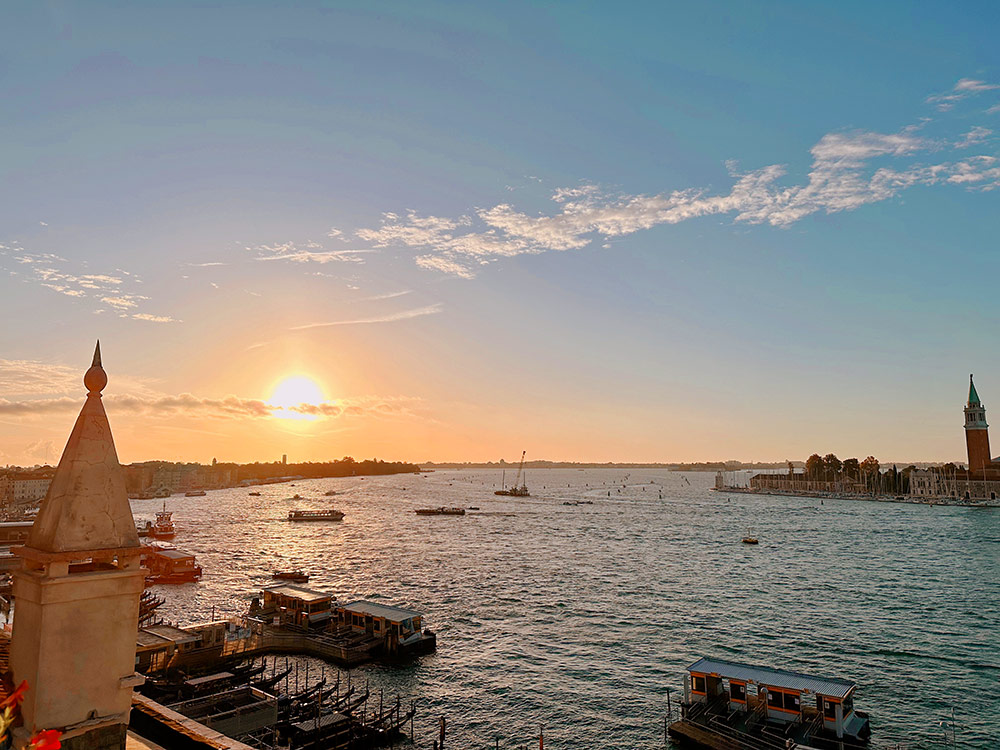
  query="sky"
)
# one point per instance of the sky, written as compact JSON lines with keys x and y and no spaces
{"x":456,"y":231}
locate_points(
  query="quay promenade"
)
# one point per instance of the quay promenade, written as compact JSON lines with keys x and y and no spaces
{"x":907,"y":499}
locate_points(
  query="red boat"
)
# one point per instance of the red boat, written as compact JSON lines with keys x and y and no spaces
{"x":169,"y":565}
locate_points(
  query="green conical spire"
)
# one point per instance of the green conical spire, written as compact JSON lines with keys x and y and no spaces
{"x":973,"y":396}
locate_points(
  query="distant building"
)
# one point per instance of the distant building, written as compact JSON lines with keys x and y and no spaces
{"x":29,"y":487}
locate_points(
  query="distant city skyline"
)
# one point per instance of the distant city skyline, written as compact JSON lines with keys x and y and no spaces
{"x":635,"y":233}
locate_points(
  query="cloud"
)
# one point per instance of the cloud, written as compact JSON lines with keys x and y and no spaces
{"x":848,"y":170}
{"x":389,"y":318}
{"x":965,"y":88}
{"x":309,"y":252}
{"x":55,"y":273}
{"x":154,"y":318}
{"x":230,"y":407}
{"x":24,"y":377}
{"x":388,"y":295}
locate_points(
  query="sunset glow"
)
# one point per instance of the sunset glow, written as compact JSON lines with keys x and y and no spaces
{"x":295,"y":391}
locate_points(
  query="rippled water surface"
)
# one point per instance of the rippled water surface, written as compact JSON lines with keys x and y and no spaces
{"x":580,"y":617}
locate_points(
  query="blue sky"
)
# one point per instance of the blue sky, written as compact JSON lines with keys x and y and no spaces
{"x":600,"y":231}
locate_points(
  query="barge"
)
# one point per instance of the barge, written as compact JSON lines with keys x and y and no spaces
{"x":442,"y":511}
{"x":728,"y":706}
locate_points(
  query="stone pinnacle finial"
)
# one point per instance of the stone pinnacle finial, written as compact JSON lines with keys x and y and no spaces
{"x":95,"y":378}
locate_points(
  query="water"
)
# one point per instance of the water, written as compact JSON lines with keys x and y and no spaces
{"x":579,"y":618}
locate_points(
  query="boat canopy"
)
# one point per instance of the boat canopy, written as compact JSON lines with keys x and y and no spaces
{"x":294,"y":591}
{"x":775,"y":678}
{"x":392,"y":614}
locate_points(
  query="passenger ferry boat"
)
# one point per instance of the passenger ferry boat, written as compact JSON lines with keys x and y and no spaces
{"x":315,"y":515}
{"x":732,"y":705}
{"x":442,"y":511}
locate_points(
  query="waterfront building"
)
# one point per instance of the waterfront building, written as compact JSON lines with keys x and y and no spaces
{"x":380,"y":620}
{"x":300,"y":606}
{"x":73,"y":637}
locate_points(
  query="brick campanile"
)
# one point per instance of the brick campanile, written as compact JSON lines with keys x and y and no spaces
{"x":977,"y":436}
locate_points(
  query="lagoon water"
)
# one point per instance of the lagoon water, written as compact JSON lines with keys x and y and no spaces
{"x":579,"y":618}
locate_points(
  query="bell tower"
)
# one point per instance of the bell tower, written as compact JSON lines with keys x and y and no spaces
{"x":77,"y":593}
{"x":977,"y":436}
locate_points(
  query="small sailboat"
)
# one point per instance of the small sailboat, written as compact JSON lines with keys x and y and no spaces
{"x":750,"y":538}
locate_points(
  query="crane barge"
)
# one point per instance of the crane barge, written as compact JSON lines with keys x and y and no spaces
{"x":520,"y":486}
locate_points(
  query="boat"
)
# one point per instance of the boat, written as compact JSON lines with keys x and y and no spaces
{"x":254,"y":494}
{"x":730,"y":704}
{"x":168,"y":565}
{"x":520,"y":487}
{"x":315,"y":515}
{"x":296,"y":496}
{"x":195,"y":493}
{"x":295,"y":576}
{"x":442,"y":511}
{"x":163,"y":526}
{"x":750,"y":538}
{"x":330,"y":493}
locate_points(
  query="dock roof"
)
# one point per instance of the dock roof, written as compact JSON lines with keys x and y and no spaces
{"x":392,"y":614}
{"x":779,"y":678}
{"x":177,"y":635}
{"x":295,"y":591}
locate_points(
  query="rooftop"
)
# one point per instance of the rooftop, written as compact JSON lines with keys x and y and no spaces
{"x":171,"y":633}
{"x":392,"y":614}
{"x":171,"y":554}
{"x":779,"y":678}
{"x":294,"y":591}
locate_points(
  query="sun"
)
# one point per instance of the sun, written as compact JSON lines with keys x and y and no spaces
{"x":293,"y":391}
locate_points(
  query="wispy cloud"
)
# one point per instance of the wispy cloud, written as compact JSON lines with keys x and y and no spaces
{"x":965,"y":88}
{"x":308,"y":252}
{"x":154,"y":318}
{"x":23,"y":377}
{"x":230,"y":407}
{"x":388,"y":318}
{"x":110,"y":291}
{"x":848,"y":170}
{"x":388,"y":295}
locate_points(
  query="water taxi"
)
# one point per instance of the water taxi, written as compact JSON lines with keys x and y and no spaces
{"x":315,"y":515}
{"x":442,"y":511}
{"x":729,"y":704}
{"x":295,"y":576}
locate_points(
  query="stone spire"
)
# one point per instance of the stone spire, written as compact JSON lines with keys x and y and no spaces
{"x":87,"y":507}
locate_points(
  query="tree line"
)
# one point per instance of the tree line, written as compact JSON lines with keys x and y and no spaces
{"x":867,"y":472}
